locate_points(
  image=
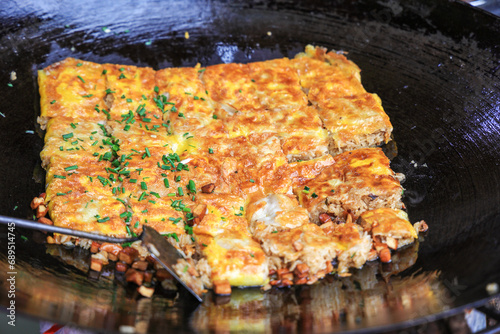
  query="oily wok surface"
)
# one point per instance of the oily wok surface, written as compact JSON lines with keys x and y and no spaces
{"x":435,"y":65}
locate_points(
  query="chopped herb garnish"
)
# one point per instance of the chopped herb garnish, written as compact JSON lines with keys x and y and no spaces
{"x":102,"y":220}
{"x":88,"y":95}
{"x":252,"y":180}
{"x":79,"y":77}
{"x":180,"y":191}
{"x":143,"y":195}
{"x":211,"y":151}
{"x":173,"y":235}
{"x":191,"y":186}
{"x":53,"y":101}
{"x":314,"y":195}
{"x":59,"y":177}
{"x":71,"y":168}
{"x":104,"y":71}
{"x":67,"y":136}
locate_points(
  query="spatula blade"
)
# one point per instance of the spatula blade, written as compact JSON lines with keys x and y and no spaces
{"x":170,"y":258}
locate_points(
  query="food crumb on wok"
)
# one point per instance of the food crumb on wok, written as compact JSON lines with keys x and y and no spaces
{"x":285,"y":186}
{"x":492,"y":288}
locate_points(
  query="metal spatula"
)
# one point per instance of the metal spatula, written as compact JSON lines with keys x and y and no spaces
{"x":160,"y":249}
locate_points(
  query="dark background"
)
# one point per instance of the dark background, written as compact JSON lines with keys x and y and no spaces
{"x":435,"y":65}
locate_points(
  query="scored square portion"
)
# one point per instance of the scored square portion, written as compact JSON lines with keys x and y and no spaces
{"x":130,"y":91}
{"x":230,"y":86}
{"x":67,"y":140}
{"x":223,"y":238}
{"x":275,"y":213}
{"x":277,"y":85}
{"x":358,"y":181}
{"x":186,"y":102}
{"x":326,"y":75}
{"x":88,"y":212}
{"x":389,"y":226}
{"x":71,"y":88}
{"x":268,"y":85}
{"x":354,"y":243}
{"x":298,"y":128}
{"x":251,"y":166}
{"x":165,"y":215}
{"x":354,"y":118}
{"x":355,"y":121}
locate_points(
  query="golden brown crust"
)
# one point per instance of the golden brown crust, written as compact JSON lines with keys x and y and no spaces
{"x":358,"y":181}
{"x":215,"y":158}
{"x":72,"y":88}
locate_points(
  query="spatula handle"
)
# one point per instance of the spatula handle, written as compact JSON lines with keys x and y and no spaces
{"x":33,"y":225}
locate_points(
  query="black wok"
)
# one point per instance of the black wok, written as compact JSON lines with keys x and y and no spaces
{"x":435,"y":64}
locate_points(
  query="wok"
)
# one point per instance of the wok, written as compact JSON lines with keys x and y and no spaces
{"x":435,"y":64}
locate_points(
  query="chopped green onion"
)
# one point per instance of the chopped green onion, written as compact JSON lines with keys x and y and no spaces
{"x":142,"y":196}
{"x":67,"y":136}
